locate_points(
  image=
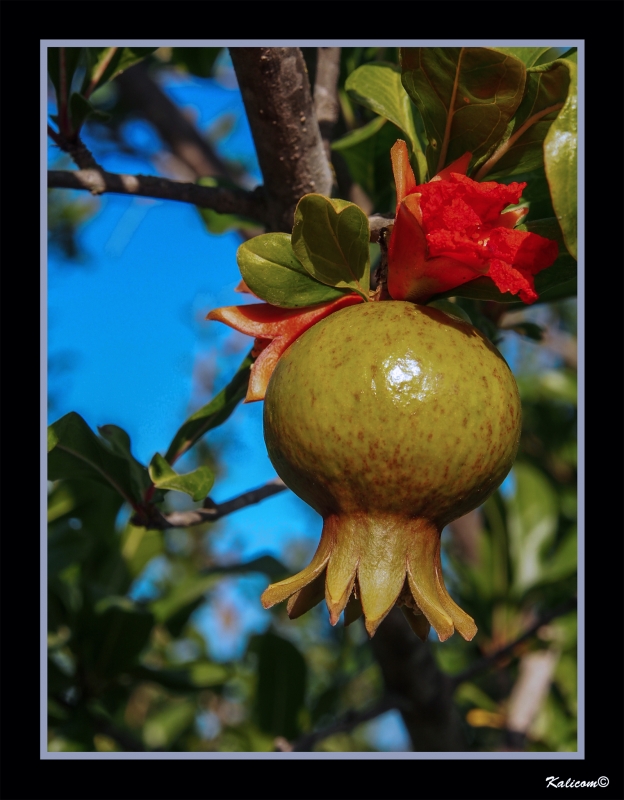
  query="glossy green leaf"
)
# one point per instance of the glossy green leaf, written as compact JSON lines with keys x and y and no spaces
{"x":378,"y":86}
{"x":196,"y":60}
{"x":532,"y":524}
{"x":280,"y":692}
{"x":466,"y":96}
{"x":105,"y":63}
{"x":330,"y":238}
{"x":197,"y":484}
{"x":560,"y":162}
{"x":118,"y":633}
{"x":522,"y":146}
{"x":212,"y":414}
{"x":272,"y":271}
{"x":562,"y":275}
{"x":119,"y":442}
{"x":74,"y":451}
{"x":366,"y":152}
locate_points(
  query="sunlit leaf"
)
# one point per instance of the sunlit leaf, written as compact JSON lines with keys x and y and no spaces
{"x":197,"y":484}
{"x":378,"y":86}
{"x":560,"y":161}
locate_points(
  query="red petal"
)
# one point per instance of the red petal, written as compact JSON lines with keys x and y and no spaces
{"x":508,"y":279}
{"x":524,"y":250}
{"x":460,"y":166}
{"x":403,"y":173}
{"x":281,"y":325}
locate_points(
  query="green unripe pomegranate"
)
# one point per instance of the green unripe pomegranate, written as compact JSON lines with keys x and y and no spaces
{"x":391,"y":420}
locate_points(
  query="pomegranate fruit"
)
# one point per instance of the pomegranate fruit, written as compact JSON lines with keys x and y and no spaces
{"x":391,"y":420}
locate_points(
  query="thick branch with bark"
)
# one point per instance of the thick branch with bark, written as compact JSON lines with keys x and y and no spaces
{"x":326,"y":93}
{"x":219,"y":198}
{"x":276,"y":93}
{"x":409,"y":671}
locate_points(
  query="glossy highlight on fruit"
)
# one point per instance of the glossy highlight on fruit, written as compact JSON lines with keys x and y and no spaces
{"x":391,"y":420}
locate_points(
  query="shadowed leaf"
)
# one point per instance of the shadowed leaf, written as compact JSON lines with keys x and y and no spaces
{"x":466,"y":96}
{"x":330,"y":238}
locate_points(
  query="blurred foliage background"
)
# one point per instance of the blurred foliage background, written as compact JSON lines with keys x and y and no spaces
{"x":132,"y":671}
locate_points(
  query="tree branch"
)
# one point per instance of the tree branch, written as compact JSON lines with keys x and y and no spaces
{"x":410,"y":672}
{"x":326,"y":93}
{"x":491,"y":660}
{"x":350,"y":720}
{"x":144,"y":95}
{"x":211,"y":512}
{"x":219,"y":198}
{"x":276,"y":93}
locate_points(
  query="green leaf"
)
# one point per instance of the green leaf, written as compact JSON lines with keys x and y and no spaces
{"x":183,"y":594}
{"x":330,"y":238}
{"x":105,"y":63}
{"x":139,"y":545}
{"x":196,"y":60}
{"x":74,"y":451}
{"x":197,"y":484}
{"x":553,"y":283}
{"x":366,"y":152}
{"x":528,"y":55}
{"x":522,"y":144}
{"x":221,"y":223}
{"x":81,"y":109}
{"x":119,"y":442}
{"x":466,"y":96}
{"x":71,"y":56}
{"x":118,"y":633}
{"x":379,"y":87}
{"x":532,"y":524}
{"x":280,"y":692}
{"x":212,"y":414}
{"x":560,"y":162}
{"x":271,"y":270}
{"x":165,"y":727}
{"x":453,"y":309}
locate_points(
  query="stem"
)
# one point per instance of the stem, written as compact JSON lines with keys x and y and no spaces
{"x":506,"y":146}
{"x":101,"y":70}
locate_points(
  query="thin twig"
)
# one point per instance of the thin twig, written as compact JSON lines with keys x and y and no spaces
{"x":211,"y":512}
{"x":350,"y":720}
{"x":225,"y":200}
{"x":491,"y":660}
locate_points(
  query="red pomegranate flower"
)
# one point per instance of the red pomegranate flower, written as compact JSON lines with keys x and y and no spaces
{"x":452,"y":230}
